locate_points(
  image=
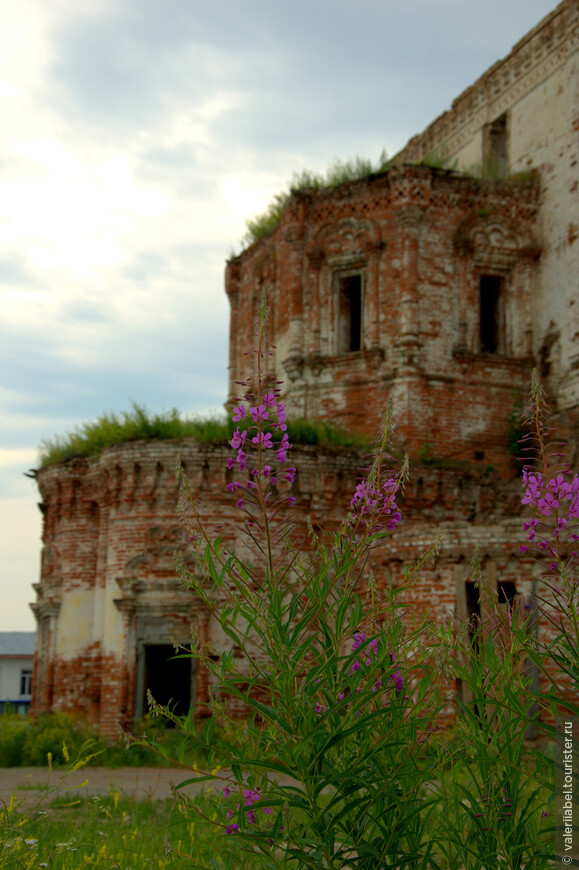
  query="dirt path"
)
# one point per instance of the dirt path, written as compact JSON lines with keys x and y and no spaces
{"x":32,"y":784}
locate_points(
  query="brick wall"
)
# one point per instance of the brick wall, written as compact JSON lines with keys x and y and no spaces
{"x":109,"y":584}
{"x":418,"y":242}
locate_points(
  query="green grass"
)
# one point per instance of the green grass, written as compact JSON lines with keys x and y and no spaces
{"x":25,"y":742}
{"x":103,"y":832}
{"x":112,"y":429}
{"x":339,"y":172}
{"x":113,"y":831}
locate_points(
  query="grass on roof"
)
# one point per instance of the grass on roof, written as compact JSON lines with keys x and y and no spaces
{"x":138,"y":424}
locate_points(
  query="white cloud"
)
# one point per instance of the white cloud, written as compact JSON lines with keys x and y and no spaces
{"x":73,"y":215}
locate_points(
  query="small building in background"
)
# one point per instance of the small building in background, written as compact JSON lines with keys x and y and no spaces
{"x":16,"y":657}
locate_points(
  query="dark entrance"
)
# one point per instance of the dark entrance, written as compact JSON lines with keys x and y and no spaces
{"x":490,"y":314}
{"x":350,"y":313}
{"x":167,"y":678}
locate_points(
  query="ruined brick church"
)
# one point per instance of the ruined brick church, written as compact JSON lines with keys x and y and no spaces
{"x":438,"y":289}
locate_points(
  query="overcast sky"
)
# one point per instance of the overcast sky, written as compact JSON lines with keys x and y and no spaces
{"x":136,"y":138}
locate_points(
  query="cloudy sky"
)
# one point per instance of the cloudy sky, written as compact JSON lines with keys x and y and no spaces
{"x":136,"y":138}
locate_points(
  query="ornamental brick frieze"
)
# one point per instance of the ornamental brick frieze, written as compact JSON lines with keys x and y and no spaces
{"x":481,"y":234}
{"x":293,"y":366}
{"x":347,"y":237}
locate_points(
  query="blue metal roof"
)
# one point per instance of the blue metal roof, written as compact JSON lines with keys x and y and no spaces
{"x":17,"y":643}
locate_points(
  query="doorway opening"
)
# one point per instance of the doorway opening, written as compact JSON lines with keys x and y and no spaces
{"x":169,"y":679}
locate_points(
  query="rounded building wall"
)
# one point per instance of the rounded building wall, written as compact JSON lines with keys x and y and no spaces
{"x":109,"y":602}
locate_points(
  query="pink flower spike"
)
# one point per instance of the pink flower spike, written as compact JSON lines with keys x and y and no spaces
{"x":291,"y":501}
{"x":238,"y":414}
{"x":239,"y":504}
{"x":230,"y":463}
{"x":269,"y":400}
{"x":226,"y":792}
{"x":523,"y":549}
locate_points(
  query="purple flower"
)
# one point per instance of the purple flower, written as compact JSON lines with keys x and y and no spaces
{"x":230,"y":829}
{"x":239,"y":503}
{"x":396,"y":676}
{"x":281,"y":417}
{"x":290,"y":474}
{"x":238,"y":439}
{"x":259,"y":413}
{"x":356,"y":666}
{"x":263,"y":439}
{"x":251,"y":796}
{"x":359,"y":639}
{"x":523,"y":549}
{"x":269,"y":400}
{"x":291,"y":500}
{"x":238,"y":414}
{"x":230,"y":463}
{"x":226,"y":793}
{"x":319,"y":708}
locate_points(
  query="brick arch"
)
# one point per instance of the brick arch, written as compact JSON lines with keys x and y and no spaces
{"x":345,"y":237}
{"x":478,"y":233}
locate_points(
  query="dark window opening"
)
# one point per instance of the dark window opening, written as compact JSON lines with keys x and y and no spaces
{"x":490,"y":313}
{"x":506,"y":591}
{"x":167,"y":678}
{"x":472,"y":609}
{"x":25,"y":682}
{"x":350,"y":314}
{"x":495,"y":148}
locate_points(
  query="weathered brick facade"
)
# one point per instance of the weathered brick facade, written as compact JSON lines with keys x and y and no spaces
{"x":400,"y":259}
{"x":424,"y":286}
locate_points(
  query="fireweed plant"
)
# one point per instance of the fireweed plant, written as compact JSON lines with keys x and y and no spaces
{"x":340,"y":764}
{"x":551,"y":492}
{"x":342,"y":694}
{"x":520,"y":670}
